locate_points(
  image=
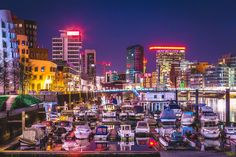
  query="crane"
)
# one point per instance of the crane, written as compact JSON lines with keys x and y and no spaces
{"x":104,"y":64}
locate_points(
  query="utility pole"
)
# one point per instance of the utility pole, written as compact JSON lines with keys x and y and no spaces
{"x":227,"y":96}
{"x":196,"y":102}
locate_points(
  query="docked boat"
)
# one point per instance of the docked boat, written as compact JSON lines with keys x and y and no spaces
{"x":176,"y":108}
{"x":66,"y":124}
{"x":76,"y":110}
{"x":230,"y":132}
{"x":187,"y":118}
{"x":31,"y":137}
{"x":209,"y":116}
{"x":127,"y":112}
{"x":210,"y":129}
{"x":91,"y":115}
{"x":142,"y":127}
{"x":101,"y":133}
{"x":139,"y":113}
{"x":125,"y":132}
{"x":109,"y":111}
{"x":82,"y":132}
{"x":67,"y":115}
{"x":167,"y":128}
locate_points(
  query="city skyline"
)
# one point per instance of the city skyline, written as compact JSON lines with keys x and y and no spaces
{"x":200,"y":26}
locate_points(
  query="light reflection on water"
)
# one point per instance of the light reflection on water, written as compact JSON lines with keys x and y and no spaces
{"x":219,"y":107}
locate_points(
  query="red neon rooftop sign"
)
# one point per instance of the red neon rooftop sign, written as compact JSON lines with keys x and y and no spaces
{"x":167,"y":48}
{"x":72,"y":33}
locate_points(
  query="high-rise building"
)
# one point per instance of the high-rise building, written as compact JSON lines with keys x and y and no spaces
{"x":134,"y":63}
{"x":167,"y":62}
{"x":8,"y":53}
{"x":89,"y":63}
{"x":28,"y":28}
{"x":67,"y":48}
{"x":219,"y":76}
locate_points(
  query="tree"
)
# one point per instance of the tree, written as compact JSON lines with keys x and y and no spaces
{"x":24,"y":73}
{"x":4,"y":72}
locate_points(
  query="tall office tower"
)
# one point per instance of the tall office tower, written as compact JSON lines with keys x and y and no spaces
{"x":89,"y":63}
{"x":8,"y":53}
{"x":28,"y":28}
{"x":167,"y":62}
{"x":67,"y":48}
{"x":134,"y":63}
{"x":230,"y":61}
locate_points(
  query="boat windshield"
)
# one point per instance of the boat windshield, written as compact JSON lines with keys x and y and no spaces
{"x":174,"y":107}
{"x":209,"y":114}
{"x":126,"y":127}
{"x":142,"y":125}
{"x":187,"y":115}
{"x":168,"y":124}
{"x":101,"y":131}
{"x":210,"y":124}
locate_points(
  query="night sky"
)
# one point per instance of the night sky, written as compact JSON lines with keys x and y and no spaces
{"x":206,"y":27}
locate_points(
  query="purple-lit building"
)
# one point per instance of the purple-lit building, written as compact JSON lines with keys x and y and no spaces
{"x":134,"y":63}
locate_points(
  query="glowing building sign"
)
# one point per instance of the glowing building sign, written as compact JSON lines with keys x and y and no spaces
{"x":166,"y":48}
{"x":73,"y":33}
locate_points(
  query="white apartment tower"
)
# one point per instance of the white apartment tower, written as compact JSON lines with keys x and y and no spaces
{"x":67,"y":48}
{"x":8,"y":53}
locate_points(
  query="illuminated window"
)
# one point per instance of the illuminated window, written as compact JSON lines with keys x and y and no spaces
{"x":42,"y":69}
{"x":20,"y":25}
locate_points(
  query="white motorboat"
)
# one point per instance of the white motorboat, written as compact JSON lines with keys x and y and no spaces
{"x":126,"y":132}
{"x":53,"y":117}
{"x":91,"y":114}
{"x":101,"y":134}
{"x":82,"y":132}
{"x":176,"y":108}
{"x":127,"y":111}
{"x":109,"y":111}
{"x":187,"y":118}
{"x":209,"y":116}
{"x":76,"y":110}
{"x":142,"y":127}
{"x":210,"y":129}
{"x":31,"y":137}
{"x":230,"y":132}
